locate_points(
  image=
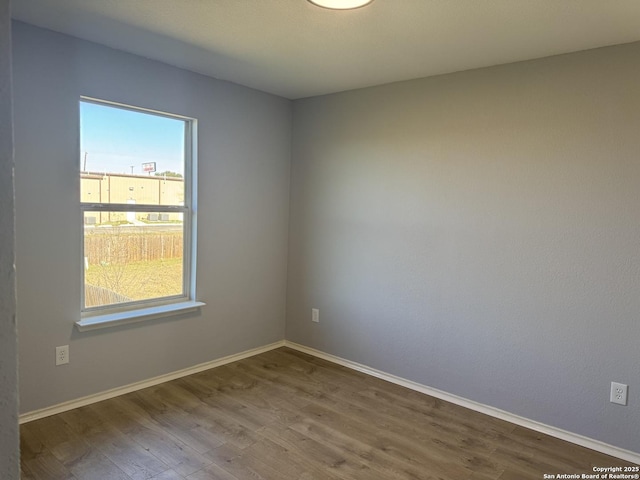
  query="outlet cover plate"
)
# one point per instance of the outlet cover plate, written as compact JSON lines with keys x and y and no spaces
{"x":619,"y":393}
{"x":62,"y":355}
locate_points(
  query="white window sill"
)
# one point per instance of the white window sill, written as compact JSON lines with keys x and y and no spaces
{"x":107,"y":320}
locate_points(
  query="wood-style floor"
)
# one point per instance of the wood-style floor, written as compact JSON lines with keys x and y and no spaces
{"x":286,"y":415}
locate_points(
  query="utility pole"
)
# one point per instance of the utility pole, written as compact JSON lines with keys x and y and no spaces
{"x":132,"y":169}
{"x":84,"y":164}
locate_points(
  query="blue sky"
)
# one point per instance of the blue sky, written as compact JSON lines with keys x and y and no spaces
{"x":115,"y":139}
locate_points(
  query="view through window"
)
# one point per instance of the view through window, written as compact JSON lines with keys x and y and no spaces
{"x":135,"y":169}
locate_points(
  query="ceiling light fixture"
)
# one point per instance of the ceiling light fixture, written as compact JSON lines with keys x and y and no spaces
{"x":341,"y":4}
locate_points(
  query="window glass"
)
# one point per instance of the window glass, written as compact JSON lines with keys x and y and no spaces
{"x":134,"y":188}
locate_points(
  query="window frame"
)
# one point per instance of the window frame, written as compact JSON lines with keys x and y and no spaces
{"x":137,"y":310}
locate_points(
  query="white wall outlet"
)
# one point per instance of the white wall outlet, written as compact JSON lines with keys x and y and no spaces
{"x":315,"y":315}
{"x":619,"y":393}
{"x":62,"y":355}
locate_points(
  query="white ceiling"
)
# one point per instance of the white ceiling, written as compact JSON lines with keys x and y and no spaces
{"x":295,"y":49}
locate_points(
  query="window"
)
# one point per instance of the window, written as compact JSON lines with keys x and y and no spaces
{"x":136,"y":195}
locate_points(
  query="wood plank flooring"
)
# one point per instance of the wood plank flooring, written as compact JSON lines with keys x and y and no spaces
{"x":287,"y":415}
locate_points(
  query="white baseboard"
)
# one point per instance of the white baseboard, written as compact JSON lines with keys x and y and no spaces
{"x":114,"y":392}
{"x":478,"y":407}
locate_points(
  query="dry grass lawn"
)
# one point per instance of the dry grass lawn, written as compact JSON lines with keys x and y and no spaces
{"x":139,"y":280}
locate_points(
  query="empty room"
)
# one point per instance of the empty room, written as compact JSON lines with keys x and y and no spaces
{"x":320,"y":239}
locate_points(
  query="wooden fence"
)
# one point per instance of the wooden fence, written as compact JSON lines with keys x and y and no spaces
{"x":95,"y":296}
{"x":119,"y":246}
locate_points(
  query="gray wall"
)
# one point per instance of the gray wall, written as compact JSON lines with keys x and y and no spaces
{"x":244,"y":159}
{"x":9,"y":450}
{"x":480,"y":233}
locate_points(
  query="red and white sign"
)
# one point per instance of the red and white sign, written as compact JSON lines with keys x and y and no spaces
{"x":149,"y":167}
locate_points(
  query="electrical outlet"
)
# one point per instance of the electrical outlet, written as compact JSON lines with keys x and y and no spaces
{"x":619,"y":393}
{"x":62,"y":355}
{"x":315,"y":315}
